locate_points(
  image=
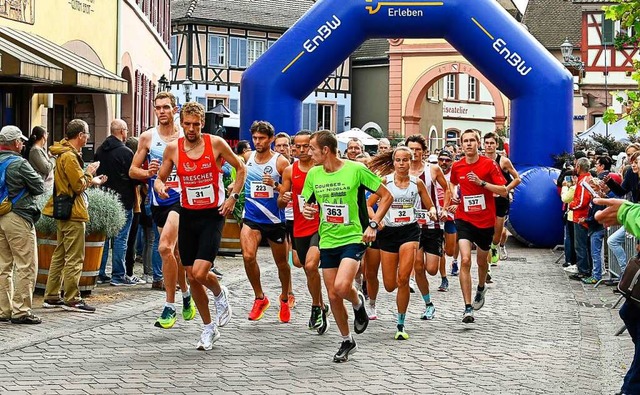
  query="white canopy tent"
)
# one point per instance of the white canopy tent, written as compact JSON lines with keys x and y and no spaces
{"x":344,"y":137}
{"x":615,"y":130}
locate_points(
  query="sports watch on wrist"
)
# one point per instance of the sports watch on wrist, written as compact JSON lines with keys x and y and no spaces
{"x":483,"y":184}
{"x":373,"y":224}
{"x":235,"y":196}
{"x":276,"y":184}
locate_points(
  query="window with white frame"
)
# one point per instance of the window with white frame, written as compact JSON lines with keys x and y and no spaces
{"x":325,"y":117}
{"x":473,"y":88}
{"x":214,"y":101}
{"x":217,"y":50}
{"x":450,"y":86}
{"x":255,"y":48}
{"x":433,"y":93}
{"x":173,"y":45}
{"x":238,"y":52}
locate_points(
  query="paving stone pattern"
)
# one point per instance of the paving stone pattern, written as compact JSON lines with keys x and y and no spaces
{"x":536,"y":334}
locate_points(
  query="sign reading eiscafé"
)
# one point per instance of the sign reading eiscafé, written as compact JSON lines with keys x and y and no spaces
{"x":84,"y":6}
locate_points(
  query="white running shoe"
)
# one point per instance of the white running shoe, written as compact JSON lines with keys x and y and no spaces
{"x":372,"y":312}
{"x":503,"y":253}
{"x":137,"y":280}
{"x":223,"y":310}
{"x":209,"y":336}
{"x":571,"y":269}
{"x":412,"y":285}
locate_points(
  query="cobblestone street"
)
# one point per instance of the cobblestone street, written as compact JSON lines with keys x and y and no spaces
{"x":539,"y":333}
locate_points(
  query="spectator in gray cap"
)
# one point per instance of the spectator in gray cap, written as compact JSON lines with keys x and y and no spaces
{"x":17,"y":231}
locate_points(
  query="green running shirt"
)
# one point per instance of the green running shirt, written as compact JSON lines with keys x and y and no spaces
{"x":341,"y":197}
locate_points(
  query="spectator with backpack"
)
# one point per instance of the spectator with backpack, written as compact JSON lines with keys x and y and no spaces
{"x":19,"y":184}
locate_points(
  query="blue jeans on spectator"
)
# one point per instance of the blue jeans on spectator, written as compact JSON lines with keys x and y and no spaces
{"x":156,"y":260}
{"x":630,"y":314}
{"x":616,"y":243}
{"x":119,"y":250}
{"x":569,"y":252}
{"x":597,"y":239}
{"x":147,"y":248}
{"x":581,"y":240}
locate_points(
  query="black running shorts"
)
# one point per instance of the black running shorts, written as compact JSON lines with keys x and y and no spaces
{"x":303,"y":244}
{"x":481,"y":237}
{"x":159,"y":214}
{"x":276,"y":233}
{"x":431,"y":241}
{"x":199,"y":235}
{"x":502,"y":206}
{"x":391,"y":238}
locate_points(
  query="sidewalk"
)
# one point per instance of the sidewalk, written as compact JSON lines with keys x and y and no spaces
{"x":538,"y":333}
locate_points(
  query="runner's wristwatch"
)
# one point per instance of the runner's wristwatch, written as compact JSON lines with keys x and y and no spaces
{"x":373,"y":224}
{"x":483,"y":184}
{"x":235,"y":196}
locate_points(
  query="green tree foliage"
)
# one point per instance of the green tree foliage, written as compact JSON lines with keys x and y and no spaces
{"x":628,"y":13}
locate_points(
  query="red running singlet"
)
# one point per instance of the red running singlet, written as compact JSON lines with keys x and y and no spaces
{"x":201,"y":179}
{"x":302,"y":227}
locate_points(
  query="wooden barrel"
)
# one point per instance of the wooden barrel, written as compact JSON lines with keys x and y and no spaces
{"x":230,"y":243}
{"x":93,"y":247}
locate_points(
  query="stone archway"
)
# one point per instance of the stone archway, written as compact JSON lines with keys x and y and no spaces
{"x":412,"y":116}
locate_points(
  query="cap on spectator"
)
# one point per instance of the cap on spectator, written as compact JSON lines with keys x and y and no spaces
{"x":11,"y":133}
{"x":616,"y":177}
{"x":579,"y":154}
{"x":600,"y":151}
{"x":433,"y":159}
{"x":445,"y":154}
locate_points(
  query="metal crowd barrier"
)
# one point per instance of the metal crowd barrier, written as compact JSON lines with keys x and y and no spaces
{"x":613,"y":266}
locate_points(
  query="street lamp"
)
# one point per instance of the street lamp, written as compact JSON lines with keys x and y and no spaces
{"x":570,"y":61}
{"x":163,"y":84}
{"x":187,"y":90}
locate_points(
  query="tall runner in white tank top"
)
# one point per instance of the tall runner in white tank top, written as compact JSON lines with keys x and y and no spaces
{"x":172,"y":270}
{"x":431,"y":237}
{"x":398,"y":239}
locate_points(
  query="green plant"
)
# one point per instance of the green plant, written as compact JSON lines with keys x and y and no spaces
{"x":622,"y":40}
{"x":106,"y":213}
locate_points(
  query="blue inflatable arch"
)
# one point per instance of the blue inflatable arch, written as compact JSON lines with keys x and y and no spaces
{"x":539,"y":87}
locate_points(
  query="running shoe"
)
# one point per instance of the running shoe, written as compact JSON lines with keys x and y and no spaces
{"x":216,"y":272}
{"x":444,"y":285}
{"x":103,"y":279}
{"x":489,"y":279}
{"x":167,"y":318}
{"x":361,"y":319}
{"x":454,"y":268}
{"x":478,"y":301}
{"x":494,"y":255}
{"x":315,"y":321}
{"x":188,"y":308}
{"x":291,"y":300}
{"x":325,"y":321}
{"x":467,"y":317}
{"x":429,"y":312}
{"x":123,"y":282}
{"x":284,"y":315}
{"x":503,"y":253}
{"x":347,"y":347}
{"x":401,"y":334}
{"x":412,"y":285}
{"x":571,"y":269}
{"x":372,"y":312}
{"x":258,"y":309}
{"x":223,"y":309}
{"x":209,"y":336}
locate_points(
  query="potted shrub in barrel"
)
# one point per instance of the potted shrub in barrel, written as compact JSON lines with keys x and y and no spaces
{"x":106,"y":218}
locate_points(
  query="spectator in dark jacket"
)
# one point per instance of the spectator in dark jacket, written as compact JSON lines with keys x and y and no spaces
{"x":115,"y":159}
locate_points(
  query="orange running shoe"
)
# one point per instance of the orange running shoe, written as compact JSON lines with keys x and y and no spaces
{"x":285,"y":313}
{"x":258,"y":309}
{"x":292,"y":301}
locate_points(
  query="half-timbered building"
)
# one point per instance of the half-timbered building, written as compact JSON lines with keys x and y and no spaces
{"x":213,"y":42}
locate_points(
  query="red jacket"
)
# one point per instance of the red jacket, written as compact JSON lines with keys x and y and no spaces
{"x":581,"y":200}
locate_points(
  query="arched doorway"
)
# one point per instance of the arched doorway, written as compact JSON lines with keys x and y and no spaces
{"x":412,"y":112}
